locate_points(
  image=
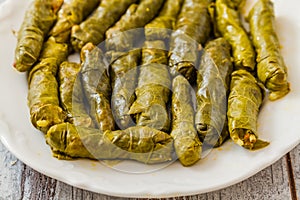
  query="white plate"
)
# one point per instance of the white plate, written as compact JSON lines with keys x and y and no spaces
{"x":230,"y":164}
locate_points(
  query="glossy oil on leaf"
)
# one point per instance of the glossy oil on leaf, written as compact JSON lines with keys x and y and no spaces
{"x":94,"y":27}
{"x":71,"y":94}
{"x":244,"y":102}
{"x":43,"y":97}
{"x":71,"y":13}
{"x":39,"y":18}
{"x":271,"y":69}
{"x":153,"y":89}
{"x":230,"y":26}
{"x":96,"y":85}
{"x":193,"y":28}
{"x":142,"y":144}
{"x":186,"y":142}
{"x":213,"y":79}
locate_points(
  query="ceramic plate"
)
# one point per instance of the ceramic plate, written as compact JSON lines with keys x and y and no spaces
{"x":230,"y":164}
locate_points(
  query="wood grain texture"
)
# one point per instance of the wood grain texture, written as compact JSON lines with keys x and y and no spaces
{"x":18,"y":181}
{"x":11,"y":171}
{"x":295,"y":161}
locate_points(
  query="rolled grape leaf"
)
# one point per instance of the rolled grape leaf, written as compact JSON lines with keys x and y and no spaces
{"x":38,"y":20}
{"x":271,"y":69}
{"x":71,"y":13}
{"x":124,"y":77}
{"x":118,"y":38}
{"x":186,"y":142}
{"x":142,"y":144}
{"x":160,"y":27}
{"x":193,"y":28}
{"x":43,"y":97}
{"x":230,"y":26}
{"x":96,"y":85}
{"x":71,"y":94}
{"x":213,"y":81}
{"x":153,"y":89}
{"x":94,"y":27}
{"x":244,"y":101}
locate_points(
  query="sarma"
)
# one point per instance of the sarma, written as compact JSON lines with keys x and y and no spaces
{"x":193,"y":27}
{"x":244,"y":101}
{"x":37,"y":22}
{"x":71,"y":94}
{"x":94,"y":27}
{"x":71,"y":13}
{"x":153,"y":89}
{"x":43,"y":97}
{"x":186,"y":142}
{"x":160,"y":28}
{"x":123,"y":78}
{"x":96,"y":85}
{"x":230,"y":26}
{"x":118,"y":37}
{"x":213,"y":82}
{"x":271,"y":69}
{"x":142,"y":144}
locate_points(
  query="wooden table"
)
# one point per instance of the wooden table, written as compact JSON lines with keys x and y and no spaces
{"x":279,"y":181}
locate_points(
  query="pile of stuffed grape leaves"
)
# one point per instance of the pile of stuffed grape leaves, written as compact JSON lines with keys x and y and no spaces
{"x":155,"y":81}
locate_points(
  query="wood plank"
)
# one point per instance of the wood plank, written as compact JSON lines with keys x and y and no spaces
{"x":270,"y":183}
{"x":37,"y":186}
{"x":295,"y":161}
{"x":10,"y":175}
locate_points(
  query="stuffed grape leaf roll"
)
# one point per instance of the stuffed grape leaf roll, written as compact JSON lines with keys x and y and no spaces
{"x":94,"y":27}
{"x":186,"y":142}
{"x":38,"y":20}
{"x":193,"y":28}
{"x":142,"y":144}
{"x":121,"y":36}
{"x":43,"y":97}
{"x":213,"y":82}
{"x":124,"y":73}
{"x":244,"y":101}
{"x":71,"y":13}
{"x":160,"y":27}
{"x":96,"y":85}
{"x":230,"y":26}
{"x":271,"y":69}
{"x":71,"y":94}
{"x":153,"y":89}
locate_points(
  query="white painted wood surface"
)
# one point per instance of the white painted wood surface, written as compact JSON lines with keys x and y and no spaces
{"x":277,"y":182}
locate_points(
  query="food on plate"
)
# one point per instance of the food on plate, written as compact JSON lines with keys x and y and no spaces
{"x":71,"y":94}
{"x":39,"y":18}
{"x":118,"y":38}
{"x":186,"y":142}
{"x":213,"y":81}
{"x":244,"y":101}
{"x":231,"y":28}
{"x":123,"y":80}
{"x":71,"y":13}
{"x":271,"y":69}
{"x":160,"y":28}
{"x":94,"y":27}
{"x":132,"y":96}
{"x":96,"y":86}
{"x":142,"y":144}
{"x":193,"y":27}
{"x":153,"y":88}
{"x":43,"y":97}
